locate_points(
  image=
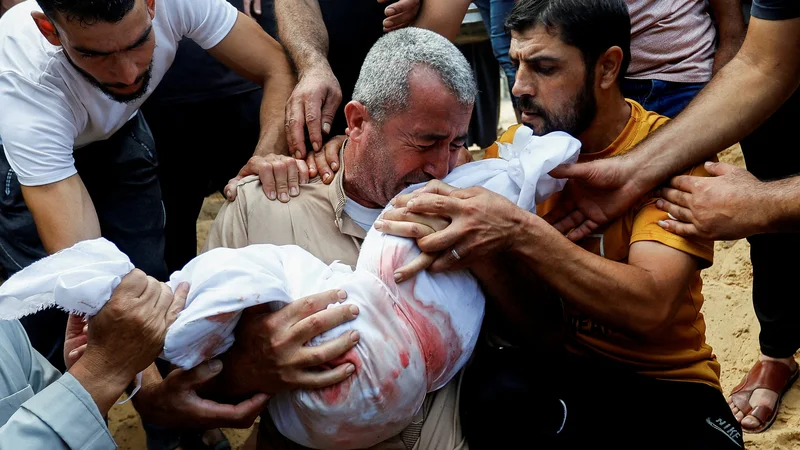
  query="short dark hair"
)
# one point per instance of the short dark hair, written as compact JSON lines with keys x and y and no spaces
{"x":592,"y":26}
{"x":87,"y":12}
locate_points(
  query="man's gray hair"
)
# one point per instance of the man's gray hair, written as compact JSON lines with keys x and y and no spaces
{"x":382,"y":85}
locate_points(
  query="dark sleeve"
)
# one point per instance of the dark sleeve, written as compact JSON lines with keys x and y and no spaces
{"x":775,"y":9}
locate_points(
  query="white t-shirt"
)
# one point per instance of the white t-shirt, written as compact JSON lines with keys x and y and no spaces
{"x":47,"y":108}
{"x":361,"y":215}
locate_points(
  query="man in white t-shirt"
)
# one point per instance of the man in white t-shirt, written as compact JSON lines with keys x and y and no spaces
{"x":78,"y":160}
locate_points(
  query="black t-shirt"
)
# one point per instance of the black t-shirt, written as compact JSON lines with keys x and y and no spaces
{"x":775,"y":9}
{"x":197,"y":76}
{"x":353,"y":27}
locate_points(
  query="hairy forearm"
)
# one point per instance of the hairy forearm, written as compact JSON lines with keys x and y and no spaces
{"x":619,"y":295}
{"x":303,"y":33}
{"x":277,"y":88}
{"x":781,"y":199}
{"x":741,"y":96}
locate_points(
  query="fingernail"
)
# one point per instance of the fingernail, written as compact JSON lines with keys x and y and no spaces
{"x":662,"y":224}
{"x":315,"y":146}
{"x":659,"y":204}
{"x":74,"y":352}
{"x":294,"y":191}
{"x":378,"y":224}
{"x":284,"y":197}
{"x":350,"y":369}
{"x":387,"y":23}
{"x":86,"y":328}
{"x":325,"y":176}
{"x":326,"y":128}
{"x":392,"y":202}
{"x":272,"y":195}
{"x":184,"y":285}
{"x":215,"y":365}
{"x":671,"y":216}
{"x":398,"y":277}
{"x":390,"y":11}
{"x":354,"y":336}
{"x":341,"y":294}
{"x":334,"y":166}
{"x":354,"y":309}
{"x":410,"y":204}
{"x":709,"y":164}
{"x":298,"y":155}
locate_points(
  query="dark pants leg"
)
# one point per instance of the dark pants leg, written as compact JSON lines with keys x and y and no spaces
{"x":667,"y":98}
{"x":120,"y":176}
{"x":516,"y":399}
{"x":770,"y":153}
{"x":201,"y":146}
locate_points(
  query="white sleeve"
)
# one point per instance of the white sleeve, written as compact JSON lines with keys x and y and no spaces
{"x":38,"y":130}
{"x":206,"y":22}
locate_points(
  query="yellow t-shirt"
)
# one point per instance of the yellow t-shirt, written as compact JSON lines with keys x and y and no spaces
{"x":681,"y":353}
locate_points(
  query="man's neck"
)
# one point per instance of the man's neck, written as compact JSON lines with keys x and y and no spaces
{"x":607,"y":125}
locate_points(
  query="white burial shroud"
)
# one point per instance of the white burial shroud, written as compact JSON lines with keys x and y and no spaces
{"x":415,"y":336}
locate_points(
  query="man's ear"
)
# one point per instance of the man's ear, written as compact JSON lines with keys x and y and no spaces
{"x":46,"y":27}
{"x":151,"y":8}
{"x":356,"y":115}
{"x":609,"y":65}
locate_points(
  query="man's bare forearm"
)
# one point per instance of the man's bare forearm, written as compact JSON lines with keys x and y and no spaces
{"x":63,"y":213}
{"x":782,"y":200}
{"x":303,"y":33}
{"x":623,"y":296}
{"x":744,"y":93}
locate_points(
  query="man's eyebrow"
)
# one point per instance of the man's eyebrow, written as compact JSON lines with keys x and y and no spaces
{"x":432,"y":137}
{"x":141,"y":40}
{"x":541,"y":59}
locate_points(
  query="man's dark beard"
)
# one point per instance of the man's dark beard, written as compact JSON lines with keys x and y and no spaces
{"x":575,"y":121}
{"x":121,"y":98}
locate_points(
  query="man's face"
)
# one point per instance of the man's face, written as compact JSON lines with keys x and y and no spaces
{"x":416,"y":145}
{"x":115,"y":57}
{"x":555,"y":91}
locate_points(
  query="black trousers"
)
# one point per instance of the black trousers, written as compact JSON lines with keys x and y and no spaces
{"x":771,"y":153}
{"x":201,"y":146}
{"x":120,"y":176}
{"x":512,"y":399}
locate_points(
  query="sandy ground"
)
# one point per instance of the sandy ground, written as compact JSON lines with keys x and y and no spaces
{"x":732,"y":332}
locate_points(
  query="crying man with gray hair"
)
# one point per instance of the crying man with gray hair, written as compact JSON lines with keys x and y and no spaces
{"x":384,"y":373}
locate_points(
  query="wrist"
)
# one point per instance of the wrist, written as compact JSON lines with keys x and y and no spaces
{"x":104,"y":384}
{"x":314,"y":63}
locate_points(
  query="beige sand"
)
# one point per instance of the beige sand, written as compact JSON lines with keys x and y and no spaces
{"x":732,"y":332}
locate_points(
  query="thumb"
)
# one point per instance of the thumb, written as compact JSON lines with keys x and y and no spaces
{"x":719,"y":168}
{"x":580,"y":171}
{"x":329,"y":106}
{"x":201,"y":374}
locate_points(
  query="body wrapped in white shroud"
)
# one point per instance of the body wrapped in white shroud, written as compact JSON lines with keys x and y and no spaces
{"x":415,"y":336}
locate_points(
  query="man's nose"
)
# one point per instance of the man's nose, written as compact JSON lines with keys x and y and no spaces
{"x":522,"y":84}
{"x":126,"y":71}
{"x":440,"y":166}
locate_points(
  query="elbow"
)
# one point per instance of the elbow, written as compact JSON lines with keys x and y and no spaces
{"x":655,"y":320}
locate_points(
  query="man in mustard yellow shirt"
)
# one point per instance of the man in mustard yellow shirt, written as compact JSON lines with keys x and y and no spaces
{"x":637,"y":372}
